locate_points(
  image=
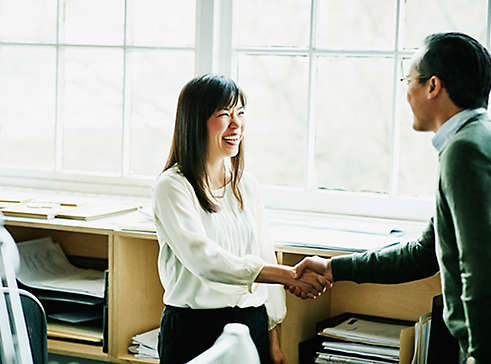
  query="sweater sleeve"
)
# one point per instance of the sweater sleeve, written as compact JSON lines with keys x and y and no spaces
{"x":185,"y":234}
{"x":466,"y":180}
{"x":275,"y":302}
{"x":399,"y":263}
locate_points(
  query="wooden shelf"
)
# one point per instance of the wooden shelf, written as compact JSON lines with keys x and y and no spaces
{"x":62,"y":347}
{"x":131,"y":359}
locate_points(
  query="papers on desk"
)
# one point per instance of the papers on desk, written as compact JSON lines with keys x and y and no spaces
{"x":366,"y":331}
{"x":45,"y":266}
{"x":325,"y":238}
{"x":25,"y":204}
{"x":144,"y":345}
{"x":141,"y":222}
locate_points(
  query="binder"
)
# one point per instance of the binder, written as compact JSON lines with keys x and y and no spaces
{"x":105,"y":314}
{"x":443,"y":347}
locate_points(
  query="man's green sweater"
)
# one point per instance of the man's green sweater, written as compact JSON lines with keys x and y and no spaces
{"x":457,"y":242}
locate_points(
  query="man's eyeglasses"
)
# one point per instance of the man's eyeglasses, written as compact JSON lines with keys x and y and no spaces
{"x":406,"y":80}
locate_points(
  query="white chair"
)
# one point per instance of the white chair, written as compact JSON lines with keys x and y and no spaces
{"x":233,"y":346}
{"x":14,"y":340}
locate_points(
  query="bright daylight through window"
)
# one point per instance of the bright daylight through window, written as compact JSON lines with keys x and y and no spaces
{"x":88,"y":91}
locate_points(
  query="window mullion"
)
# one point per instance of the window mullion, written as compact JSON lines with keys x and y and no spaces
{"x":395,"y":135}
{"x":125,"y":127}
{"x":310,"y":148}
{"x":58,"y":94}
{"x":205,"y":42}
{"x":223,"y":29}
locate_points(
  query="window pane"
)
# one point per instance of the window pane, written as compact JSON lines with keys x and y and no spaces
{"x":93,"y":22}
{"x":154,"y":81}
{"x":425,"y":17}
{"x":27,"y":106}
{"x":161,"y":22}
{"x":353,"y":121}
{"x":92,"y":109}
{"x":356,"y":24}
{"x":276,"y":89}
{"x":418,"y":165}
{"x":28,"y":21}
{"x":283,"y":23}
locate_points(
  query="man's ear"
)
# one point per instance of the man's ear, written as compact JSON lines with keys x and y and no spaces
{"x":433,"y":87}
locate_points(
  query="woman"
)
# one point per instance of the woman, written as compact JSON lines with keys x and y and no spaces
{"x":214,"y":249}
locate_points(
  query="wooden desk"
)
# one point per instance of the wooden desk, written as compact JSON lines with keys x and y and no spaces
{"x":135,"y":292}
{"x":405,"y":301}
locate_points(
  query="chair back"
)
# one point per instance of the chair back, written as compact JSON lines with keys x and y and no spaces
{"x":233,"y":346}
{"x":23,"y":328}
{"x":36,"y":325}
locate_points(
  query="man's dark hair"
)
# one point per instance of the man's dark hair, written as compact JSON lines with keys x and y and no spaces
{"x":462,"y":64}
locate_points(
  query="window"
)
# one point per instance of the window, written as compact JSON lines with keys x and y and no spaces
{"x":327,"y":115}
{"x":88,"y":92}
{"x":89,"y":88}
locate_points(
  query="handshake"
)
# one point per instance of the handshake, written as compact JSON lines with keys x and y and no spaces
{"x":312,"y":276}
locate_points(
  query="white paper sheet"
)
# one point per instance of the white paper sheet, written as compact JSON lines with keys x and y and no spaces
{"x":367,"y":332}
{"x":45,"y":266}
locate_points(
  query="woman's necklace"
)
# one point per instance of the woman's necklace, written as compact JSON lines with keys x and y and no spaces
{"x":224,"y":183}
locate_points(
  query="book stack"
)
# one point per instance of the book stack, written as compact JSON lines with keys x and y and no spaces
{"x":358,"y":339}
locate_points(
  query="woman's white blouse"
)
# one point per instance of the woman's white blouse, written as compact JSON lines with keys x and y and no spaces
{"x":210,"y":260}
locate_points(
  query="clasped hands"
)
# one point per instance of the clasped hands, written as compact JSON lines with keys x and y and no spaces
{"x":312,"y":277}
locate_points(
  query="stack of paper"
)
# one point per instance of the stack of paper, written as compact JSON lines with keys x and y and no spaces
{"x":141,"y":222}
{"x":72,"y":297}
{"x":43,"y":265}
{"x":360,"y":340}
{"x":356,"y":353}
{"x":366,"y":332}
{"x":144,"y":345}
{"x":36,"y":208}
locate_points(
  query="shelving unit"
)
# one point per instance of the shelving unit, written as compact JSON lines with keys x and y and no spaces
{"x":135,"y":293}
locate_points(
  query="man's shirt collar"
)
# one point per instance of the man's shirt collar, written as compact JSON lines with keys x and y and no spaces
{"x":445,"y":133}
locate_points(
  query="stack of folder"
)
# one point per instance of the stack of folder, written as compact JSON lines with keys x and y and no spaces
{"x":144,"y":345}
{"x":422,"y":339}
{"x":433,"y":343}
{"x":74,"y":298}
{"x":358,"y":339}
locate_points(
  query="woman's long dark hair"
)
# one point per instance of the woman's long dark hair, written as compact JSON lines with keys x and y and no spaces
{"x":198,"y":100}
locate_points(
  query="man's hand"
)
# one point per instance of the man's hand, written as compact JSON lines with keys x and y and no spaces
{"x":306,"y":266}
{"x":311,"y":284}
{"x":316,"y":264}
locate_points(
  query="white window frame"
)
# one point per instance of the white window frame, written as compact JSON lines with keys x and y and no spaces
{"x":389,"y":205}
{"x":214,"y":53}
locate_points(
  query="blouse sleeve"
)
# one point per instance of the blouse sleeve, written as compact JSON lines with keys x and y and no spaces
{"x":184,"y":232}
{"x":275,"y":302}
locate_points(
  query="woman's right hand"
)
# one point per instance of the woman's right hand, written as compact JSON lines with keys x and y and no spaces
{"x":311,"y":284}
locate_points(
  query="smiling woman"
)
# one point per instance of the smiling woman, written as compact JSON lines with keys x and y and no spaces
{"x":214,"y":249}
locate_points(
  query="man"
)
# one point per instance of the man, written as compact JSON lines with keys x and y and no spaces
{"x":448,"y":89}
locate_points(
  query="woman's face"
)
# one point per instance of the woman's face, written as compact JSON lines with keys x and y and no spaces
{"x":225,"y":132}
